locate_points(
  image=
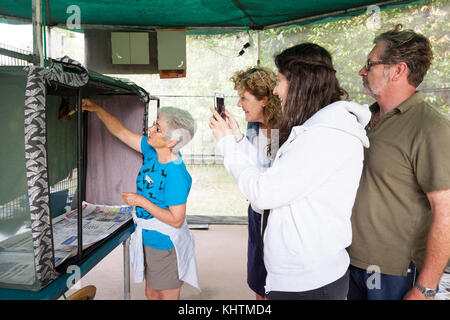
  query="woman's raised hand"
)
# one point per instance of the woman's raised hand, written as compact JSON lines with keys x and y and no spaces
{"x":88,"y":105}
{"x":232,"y":123}
{"x":218,"y":125}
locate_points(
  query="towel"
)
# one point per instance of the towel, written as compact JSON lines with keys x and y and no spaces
{"x":183,"y":241}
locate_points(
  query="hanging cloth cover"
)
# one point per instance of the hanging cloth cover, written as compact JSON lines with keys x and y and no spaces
{"x":67,"y":72}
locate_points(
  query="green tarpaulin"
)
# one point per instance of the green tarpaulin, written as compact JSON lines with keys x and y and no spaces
{"x":198,"y":16}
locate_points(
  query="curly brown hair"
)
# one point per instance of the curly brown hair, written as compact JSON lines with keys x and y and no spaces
{"x":260,"y":82}
{"x":406,"y":46}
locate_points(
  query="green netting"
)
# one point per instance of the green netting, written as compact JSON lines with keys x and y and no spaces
{"x":199,"y":16}
{"x":61,"y":136}
{"x":12,"y":148}
{"x":61,"y":140}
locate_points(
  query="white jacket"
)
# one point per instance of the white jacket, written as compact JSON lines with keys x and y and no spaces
{"x":310,"y":189}
{"x":259,"y":141}
{"x":183,"y":241}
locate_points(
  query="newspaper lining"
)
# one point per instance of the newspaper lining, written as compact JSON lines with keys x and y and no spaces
{"x":99,"y":221}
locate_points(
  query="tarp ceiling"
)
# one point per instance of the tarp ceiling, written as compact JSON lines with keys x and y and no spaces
{"x":197,"y":16}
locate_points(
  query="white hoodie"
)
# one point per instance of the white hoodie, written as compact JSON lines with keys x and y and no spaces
{"x":310,"y":189}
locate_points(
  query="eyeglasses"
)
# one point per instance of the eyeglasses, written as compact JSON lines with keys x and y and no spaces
{"x":158,"y":129}
{"x":369,"y":64}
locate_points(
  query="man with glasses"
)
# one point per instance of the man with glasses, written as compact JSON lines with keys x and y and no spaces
{"x":401,"y":216}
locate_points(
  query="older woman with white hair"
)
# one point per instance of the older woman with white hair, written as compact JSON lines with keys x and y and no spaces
{"x":163,"y":248}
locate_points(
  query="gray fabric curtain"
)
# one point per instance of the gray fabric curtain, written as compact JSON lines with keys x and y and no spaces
{"x":112,"y":166}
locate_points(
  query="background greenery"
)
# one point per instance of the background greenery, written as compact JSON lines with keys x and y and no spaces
{"x":212,"y":59}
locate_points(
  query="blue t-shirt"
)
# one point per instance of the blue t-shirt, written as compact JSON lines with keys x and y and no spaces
{"x":164,"y":184}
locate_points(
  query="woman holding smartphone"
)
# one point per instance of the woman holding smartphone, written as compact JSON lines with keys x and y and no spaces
{"x":262,"y":112}
{"x":311,"y":186}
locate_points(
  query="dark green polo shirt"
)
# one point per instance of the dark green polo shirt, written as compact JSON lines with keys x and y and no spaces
{"x":409,"y":156}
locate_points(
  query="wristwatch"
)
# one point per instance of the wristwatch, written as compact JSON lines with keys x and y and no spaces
{"x":427,"y":292}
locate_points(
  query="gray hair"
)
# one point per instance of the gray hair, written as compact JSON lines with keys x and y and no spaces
{"x":180,"y":124}
{"x":406,"y":46}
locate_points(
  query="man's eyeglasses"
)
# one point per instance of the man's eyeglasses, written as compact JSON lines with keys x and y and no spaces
{"x":369,"y":64}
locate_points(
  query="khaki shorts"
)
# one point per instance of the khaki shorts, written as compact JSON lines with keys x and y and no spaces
{"x":161,"y":269}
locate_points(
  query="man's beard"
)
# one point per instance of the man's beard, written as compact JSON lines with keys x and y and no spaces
{"x":374,"y":91}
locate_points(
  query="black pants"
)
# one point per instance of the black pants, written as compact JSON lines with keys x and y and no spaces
{"x":256,"y":272}
{"x":334,"y":291}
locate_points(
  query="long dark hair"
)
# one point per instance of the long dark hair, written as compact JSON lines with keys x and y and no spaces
{"x":312,"y":84}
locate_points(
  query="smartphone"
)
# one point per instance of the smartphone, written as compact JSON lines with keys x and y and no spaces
{"x":219,"y":104}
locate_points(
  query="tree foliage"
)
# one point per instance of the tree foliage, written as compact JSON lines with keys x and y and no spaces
{"x":349,"y":42}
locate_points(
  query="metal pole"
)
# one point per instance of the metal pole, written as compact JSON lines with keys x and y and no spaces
{"x":259,"y":48}
{"x":80,"y":180}
{"x":48,"y":28}
{"x":37,"y":30}
{"x":17,"y":55}
{"x":126,"y":269}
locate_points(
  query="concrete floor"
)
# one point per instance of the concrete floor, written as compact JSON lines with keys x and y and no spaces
{"x":221,"y":253}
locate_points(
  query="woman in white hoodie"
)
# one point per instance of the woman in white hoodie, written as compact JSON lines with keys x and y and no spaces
{"x":311,"y":186}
